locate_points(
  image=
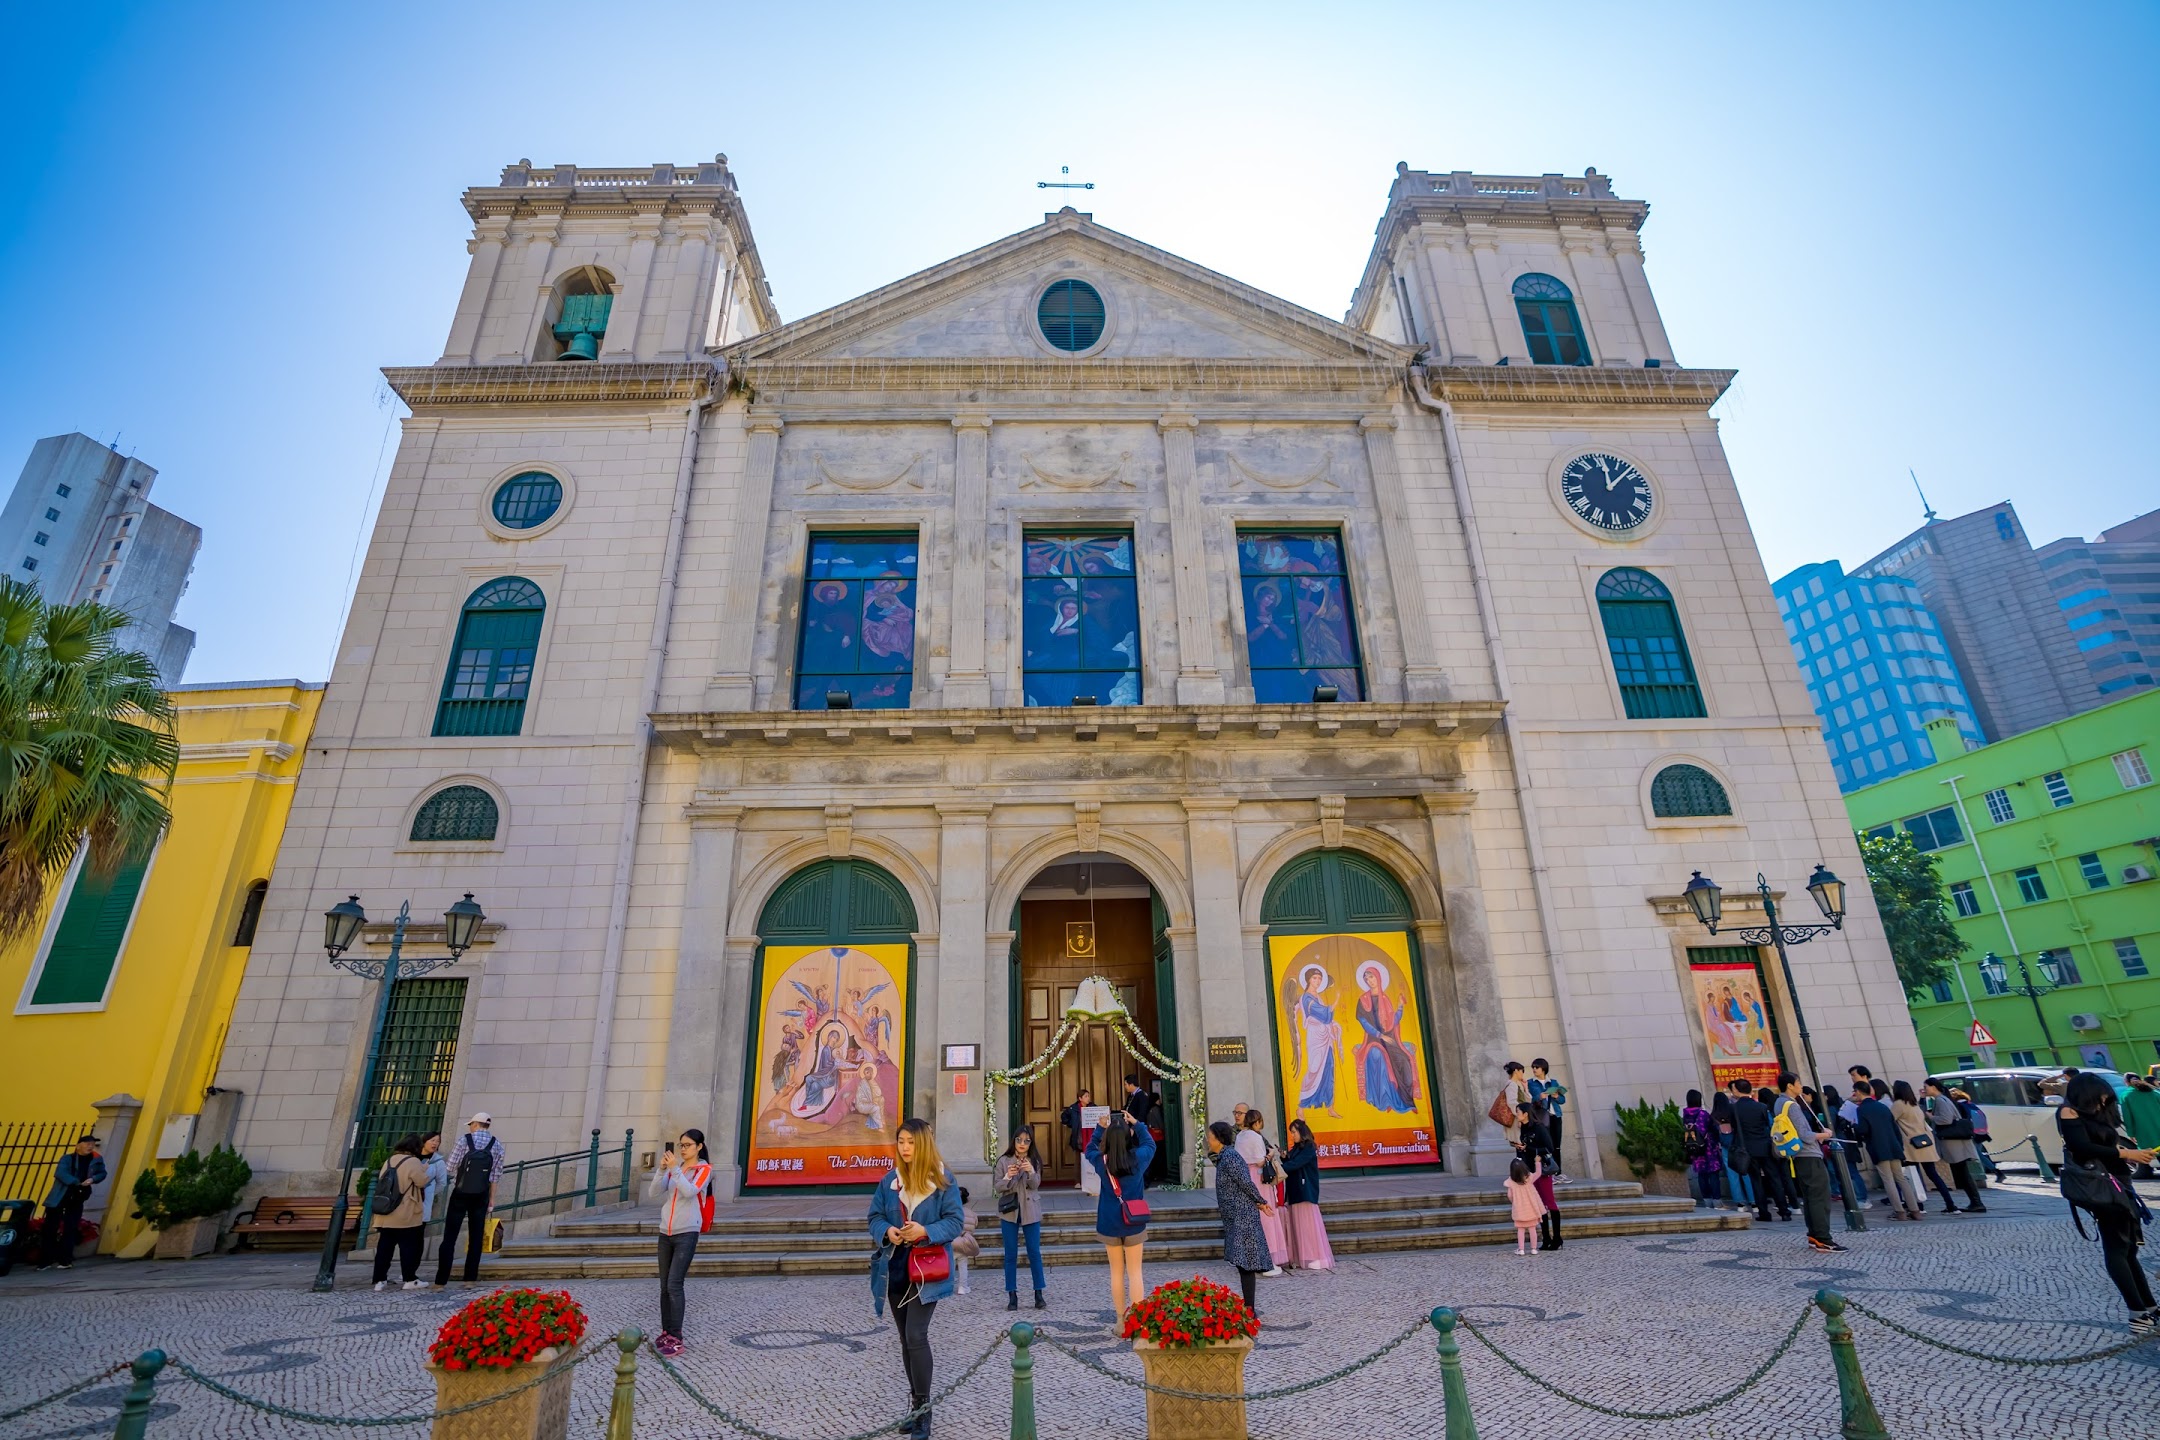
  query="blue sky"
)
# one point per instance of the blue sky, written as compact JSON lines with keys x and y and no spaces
{"x":1919,"y":232}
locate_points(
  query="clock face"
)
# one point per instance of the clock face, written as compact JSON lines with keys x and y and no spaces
{"x":1607,"y":492}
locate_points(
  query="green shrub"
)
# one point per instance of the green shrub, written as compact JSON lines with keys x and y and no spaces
{"x":363,"y":1179}
{"x":1649,"y":1137}
{"x":199,"y":1185}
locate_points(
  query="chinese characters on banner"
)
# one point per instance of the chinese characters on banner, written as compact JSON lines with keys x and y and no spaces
{"x":831,"y":1034}
{"x":1351,"y":1042}
{"x":1736,"y":1022}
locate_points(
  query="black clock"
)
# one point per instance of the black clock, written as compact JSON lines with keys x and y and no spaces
{"x":1607,"y":492}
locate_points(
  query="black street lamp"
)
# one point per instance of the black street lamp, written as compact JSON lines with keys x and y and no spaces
{"x":342,"y":924}
{"x":1998,"y":982}
{"x":1708,"y":902}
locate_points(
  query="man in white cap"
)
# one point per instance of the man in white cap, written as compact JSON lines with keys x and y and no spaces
{"x":474,"y":1167}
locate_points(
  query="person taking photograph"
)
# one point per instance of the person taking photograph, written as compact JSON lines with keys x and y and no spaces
{"x":1017,"y":1183}
{"x":682,"y":1180}
{"x":1119,"y":1150}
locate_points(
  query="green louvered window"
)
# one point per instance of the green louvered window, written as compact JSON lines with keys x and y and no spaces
{"x":460,"y":812}
{"x":1649,"y":654}
{"x":1682,"y":790}
{"x":491,"y":668}
{"x":1550,"y":325}
{"x":419,"y":1050}
{"x":1071,"y":315}
{"x":86,"y":945}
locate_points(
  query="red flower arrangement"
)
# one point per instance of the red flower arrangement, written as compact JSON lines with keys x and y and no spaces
{"x":1187,"y":1313}
{"x":508,"y":1328}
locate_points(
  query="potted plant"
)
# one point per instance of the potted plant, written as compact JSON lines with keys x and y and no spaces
{"x":500,"y":1342}
{"x":1194,"y":1335}
{"x":1649,"y":1140}
{"x":187,"y":1207}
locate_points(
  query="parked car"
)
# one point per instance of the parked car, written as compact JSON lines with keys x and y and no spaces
{"x":2021,"y":1102}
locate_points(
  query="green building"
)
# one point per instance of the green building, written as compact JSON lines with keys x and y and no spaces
{"x":2049,"y":844}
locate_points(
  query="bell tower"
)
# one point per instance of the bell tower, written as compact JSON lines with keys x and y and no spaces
{"x":607,"y":266}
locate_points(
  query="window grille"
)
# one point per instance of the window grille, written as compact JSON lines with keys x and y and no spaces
{"x":491,"y":666}
{"x":1680,"y":790}
{"x":460,"y":812}
{"x":419,"y":1048}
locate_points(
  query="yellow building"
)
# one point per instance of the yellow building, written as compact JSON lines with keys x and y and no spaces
{"x":123,"y":992}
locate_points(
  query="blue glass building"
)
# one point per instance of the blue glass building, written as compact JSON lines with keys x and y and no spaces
{"x":1876,"y":666}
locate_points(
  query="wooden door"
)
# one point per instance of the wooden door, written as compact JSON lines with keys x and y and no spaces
{"x":1050,"y":975}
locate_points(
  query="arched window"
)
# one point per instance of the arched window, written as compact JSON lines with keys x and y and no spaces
{"x":1549,"y":323}
{"x":588,"y":295}
{"x":457,"y":812}
{"x":1680,"y":790}
{"x":491,"y":666}
{"x":1649,"y":654}
{"x":250,"y":914}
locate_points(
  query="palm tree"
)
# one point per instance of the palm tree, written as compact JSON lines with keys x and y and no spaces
{"x":87,"y":748}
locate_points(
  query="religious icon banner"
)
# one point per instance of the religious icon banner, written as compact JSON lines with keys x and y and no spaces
{"x":1736,"y":1023}
{"x":1351,"y":1042}
{"x":828,"y":1088}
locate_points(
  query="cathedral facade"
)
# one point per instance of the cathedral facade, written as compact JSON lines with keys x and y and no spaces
{"x":814,"y":706}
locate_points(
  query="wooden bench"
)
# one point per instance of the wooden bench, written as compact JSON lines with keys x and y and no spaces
{"x":292,"y":1221}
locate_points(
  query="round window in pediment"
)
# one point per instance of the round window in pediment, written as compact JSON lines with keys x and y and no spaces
{"x":1071,"y":315}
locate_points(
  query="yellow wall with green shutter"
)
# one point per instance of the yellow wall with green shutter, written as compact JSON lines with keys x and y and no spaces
{"x":156,"y":1030}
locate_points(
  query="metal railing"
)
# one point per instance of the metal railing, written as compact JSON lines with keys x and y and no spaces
{"x":572,"y":1180}
{"x":28,"y":1151}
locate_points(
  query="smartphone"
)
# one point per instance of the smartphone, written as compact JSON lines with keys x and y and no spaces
{"x":669,"y":1147}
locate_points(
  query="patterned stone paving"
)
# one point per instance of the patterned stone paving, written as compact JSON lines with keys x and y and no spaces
{"x":1630,"y":1322}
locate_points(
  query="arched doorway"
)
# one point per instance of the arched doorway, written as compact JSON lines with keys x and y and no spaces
{"x":1353,"y":1024}
{"x":827,"y":1073}
{"x":1083,"y":915}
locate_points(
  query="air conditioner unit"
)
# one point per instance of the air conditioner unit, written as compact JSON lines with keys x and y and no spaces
{"x":2085,"y":1020}
{"x":2134,"y":873}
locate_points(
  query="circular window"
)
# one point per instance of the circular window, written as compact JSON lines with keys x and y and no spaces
{"x":524,"y":501}
{"x":1071,"y":315}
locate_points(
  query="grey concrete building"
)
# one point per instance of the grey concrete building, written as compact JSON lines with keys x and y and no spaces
{"x":1981,"y":579}
{"x":2108,"y":591}
{"x":80,"y":526}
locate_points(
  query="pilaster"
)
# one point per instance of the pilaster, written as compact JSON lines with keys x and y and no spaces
{"x":709,"y":1015}
{"x":1219,"y":951}
{"x":963,"y":980}
{"x":1602,"y":340}
{"x":685,"y":291}
{"x":732,"y":687}
{"x":1508,"y":342}
{"x":1627,"y":255}
{"x":967,"y":685}
{"x":1423,"y":679}
{"x":521,"y":343}
{"x":1199,"y":680}
{"x":490,"y":235}
{"x":1471,"y":982}
{"x":625,"y":315}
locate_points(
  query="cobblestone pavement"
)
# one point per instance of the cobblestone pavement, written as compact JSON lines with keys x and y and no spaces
{"x":1647,"y":1323}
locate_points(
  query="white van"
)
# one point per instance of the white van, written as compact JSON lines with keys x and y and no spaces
{"x":2020,"y":1103}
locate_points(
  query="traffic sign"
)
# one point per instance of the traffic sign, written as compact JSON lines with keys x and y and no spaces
{"x":1980,"y":1035}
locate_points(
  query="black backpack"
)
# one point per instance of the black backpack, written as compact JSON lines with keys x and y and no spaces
{"x":389,"y":1191}
{"x":1693,"y":1145}
{"x":474,"y":1169}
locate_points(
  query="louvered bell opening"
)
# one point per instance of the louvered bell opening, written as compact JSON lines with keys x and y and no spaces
{"x":1071,"y":315}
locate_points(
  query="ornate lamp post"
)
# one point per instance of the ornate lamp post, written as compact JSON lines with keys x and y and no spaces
{"x":1991,"y":970}
{"x":1708,"y":902}
{"x":341,"y":926}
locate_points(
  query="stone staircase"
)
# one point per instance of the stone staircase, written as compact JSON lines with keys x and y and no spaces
{"x":829,"y":1236}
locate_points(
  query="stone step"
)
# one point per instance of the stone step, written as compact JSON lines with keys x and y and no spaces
{"x":570,"y":1263}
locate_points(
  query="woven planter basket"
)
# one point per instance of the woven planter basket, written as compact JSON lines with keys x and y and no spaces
{"x":540,"y":1413}
{"x":1217,"y":1369}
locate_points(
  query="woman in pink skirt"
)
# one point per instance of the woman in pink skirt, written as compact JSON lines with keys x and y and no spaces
{"x":1252,"y":1148}
{"x":1301,"y":1187}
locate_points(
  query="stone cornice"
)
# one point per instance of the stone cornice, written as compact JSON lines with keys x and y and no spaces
{"x":1578,"y":385}
{"x":1354,"y":723}
{"x":450,"y":387}
{"x":773,"y":380}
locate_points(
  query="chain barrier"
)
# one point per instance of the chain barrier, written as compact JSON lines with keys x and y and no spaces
{"x":58,"y":1395}
{"x":885,"y":1427}
{"x":2036,"y":1361}
{"x":376,"y":1422}
{"x":1791,"y":1336}
{"x":1249,"y":1396}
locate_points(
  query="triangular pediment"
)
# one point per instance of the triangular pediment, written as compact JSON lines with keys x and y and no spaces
{"x":982,"y":306}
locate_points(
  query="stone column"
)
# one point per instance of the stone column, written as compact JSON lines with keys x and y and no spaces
{"x":1627,"y":254}
{"x":1192,"y":1043}
{"x":1471,"y":972}
{"x":732,"y":688}
{"x":967,"y":685}
{"x":1447,"y":290}
{"x":1423,"y":679}
{"x":1508,"y":341}
{"x":486,"y":248}
{"x":684,"y":313}
{"x":1199,"y":680}
{"x":709,"y":1014}
{"x":515,"y":344}
{"x":116,"y":1117}
{"x":1605,"y":343}
{"x":963,"y":975}
{"x":624,"y":316}
{"x":998,"y":1002}
{"x":1224,"y":969}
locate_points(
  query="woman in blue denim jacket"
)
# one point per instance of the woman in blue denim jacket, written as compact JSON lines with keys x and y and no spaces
{"x":915,"y":1208}
{"x":1120,"y":1152}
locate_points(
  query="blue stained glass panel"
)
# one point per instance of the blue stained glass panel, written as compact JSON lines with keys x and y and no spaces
{"x":1300,"y":633}
{"x":1080,"y":619}
{"x":858,"y":621}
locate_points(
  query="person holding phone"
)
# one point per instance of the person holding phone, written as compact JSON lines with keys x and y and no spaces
{"x":2090,"y":1123}
{"x":914,"y":1218}
{"x":685,"y":1179}
{"x":1120,"y":1150}
{"x":1017,"y":1182}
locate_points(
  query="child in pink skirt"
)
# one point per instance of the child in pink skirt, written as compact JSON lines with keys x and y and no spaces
{"x":1523,"y":1200}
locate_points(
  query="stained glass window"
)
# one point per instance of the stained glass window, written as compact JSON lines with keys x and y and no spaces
{"x":1649,"y":657}
{"x":1550,"y":326}
{"x":1080,"y":619}
{"x":491,"y":667}
{"x":858,"y":621}
{"x":1299,"y":632}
